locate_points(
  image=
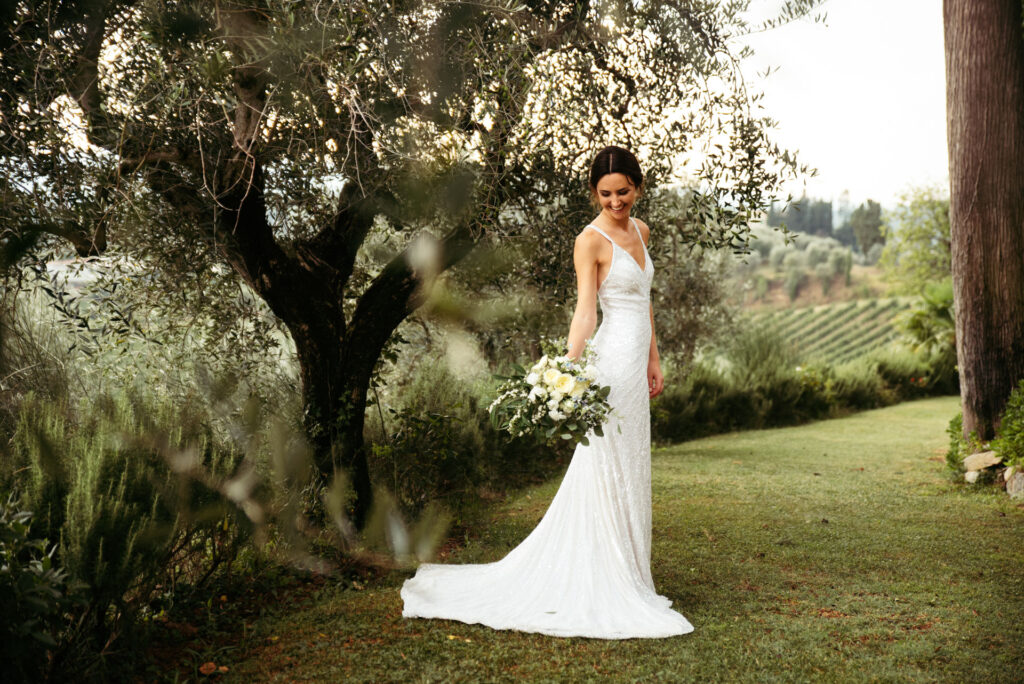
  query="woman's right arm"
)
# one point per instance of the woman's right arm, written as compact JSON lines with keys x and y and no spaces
{"x":584,"y":320}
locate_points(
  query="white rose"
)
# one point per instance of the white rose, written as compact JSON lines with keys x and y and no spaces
{"x":579,"y":389}
{"x":533,"y":378}
{"x":556,"y":415}
{"x":564,"y":383}
{"x":551,"y":375}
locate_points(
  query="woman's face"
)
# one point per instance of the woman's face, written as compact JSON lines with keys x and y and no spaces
{"x":616,"y":194}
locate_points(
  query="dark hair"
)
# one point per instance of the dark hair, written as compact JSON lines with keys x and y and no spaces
{"x":614,"y":159}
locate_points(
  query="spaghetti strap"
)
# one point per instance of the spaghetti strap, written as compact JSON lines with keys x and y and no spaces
{"x":641,"y":236}
{"x":591,"y":225}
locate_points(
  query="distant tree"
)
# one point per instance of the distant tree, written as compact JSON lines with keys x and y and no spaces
{"x":820,"y":217}
{"x":917,"y":241}
{"x":985,"y":111}
{"x":845,"y":208}
{"x":844,"y":233}
{"x":806,"y":216}
{"x":866,"y":223}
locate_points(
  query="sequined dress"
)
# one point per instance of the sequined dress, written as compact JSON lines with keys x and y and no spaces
{"x":584,"y":570}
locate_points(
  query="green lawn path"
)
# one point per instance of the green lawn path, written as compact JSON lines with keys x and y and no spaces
{"x":835,"y":551}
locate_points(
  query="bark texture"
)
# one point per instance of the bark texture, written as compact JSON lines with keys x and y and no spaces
{"x":985,"y":117}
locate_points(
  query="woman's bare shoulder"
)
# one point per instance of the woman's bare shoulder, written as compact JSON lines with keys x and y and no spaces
{"x":586,"y":238}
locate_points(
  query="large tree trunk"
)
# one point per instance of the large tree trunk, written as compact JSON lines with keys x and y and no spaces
{"x":334,"y":387}
{"x":985,"y":111}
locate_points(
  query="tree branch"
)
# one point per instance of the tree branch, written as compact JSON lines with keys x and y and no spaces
{"x":86,"y":242}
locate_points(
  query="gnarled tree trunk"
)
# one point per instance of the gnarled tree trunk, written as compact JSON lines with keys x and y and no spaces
{"x":985,"y":112}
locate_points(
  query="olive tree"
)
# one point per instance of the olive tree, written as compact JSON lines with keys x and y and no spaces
{"x":279,"y":138}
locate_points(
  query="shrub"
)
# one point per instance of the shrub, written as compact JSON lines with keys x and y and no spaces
{"x":34,"y":358}
{"x":703,"y":402}
{"x":837,"y":260}
{"x":752,"y":261}
{"x":431,"y":455}
{"x":1010,"y":441}
{"x":102,"y":480}
{"x":764,"y":243}
{"x":960,"y":448}
{"x":433,"y":441}
{"x":840,"y":260}
{"x":794,"y":260}
{"x":34,"y":593}
{"x":930,"y":329}
{"x":758,"y":381}
{"x":795,"y":278}
{"x":817,"y":253}
{"x":957,"y":445}
{"x":874,"y":254}
{"x":903,"y":374}
{"x":777,"y":256}
{"x":824,"y":273}
{"x":760,"y":287}
{"x":857,"y":385}
{"x":781,"y":392}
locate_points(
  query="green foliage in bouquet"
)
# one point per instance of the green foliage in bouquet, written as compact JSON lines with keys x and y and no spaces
{"x":556,"y":398}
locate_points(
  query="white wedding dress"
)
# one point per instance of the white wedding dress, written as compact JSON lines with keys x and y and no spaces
{"x":585,"y":569}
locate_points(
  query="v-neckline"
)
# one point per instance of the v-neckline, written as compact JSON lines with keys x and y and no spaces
{"x":643,"y":248}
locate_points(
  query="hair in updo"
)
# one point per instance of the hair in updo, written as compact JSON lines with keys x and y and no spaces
{"x":613,"y":159}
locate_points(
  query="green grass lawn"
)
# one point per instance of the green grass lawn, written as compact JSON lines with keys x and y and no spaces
{"x":836,"y":551}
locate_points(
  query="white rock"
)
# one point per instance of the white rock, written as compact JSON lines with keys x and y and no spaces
{"x":1015,"y":485}
{"x":972,"y":476}
{"x":981,"y":460}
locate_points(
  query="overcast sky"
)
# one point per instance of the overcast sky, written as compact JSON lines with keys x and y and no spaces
{"x":862,"y":97}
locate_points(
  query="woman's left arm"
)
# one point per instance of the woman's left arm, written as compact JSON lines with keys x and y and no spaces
{"x":655,"y":380}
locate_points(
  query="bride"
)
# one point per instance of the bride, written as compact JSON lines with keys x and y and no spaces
{"x":585,"y":569}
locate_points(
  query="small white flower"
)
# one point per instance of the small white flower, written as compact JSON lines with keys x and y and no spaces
{"x":590,"y":372}
{"x":567,"y":406}
{"x":552,"y":404}
{"x":533,"y":378}
{"x":537,"y":393}
{"x":556,"y":415}
{"x":556,"y":396}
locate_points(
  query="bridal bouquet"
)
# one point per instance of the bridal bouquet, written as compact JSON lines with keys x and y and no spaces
{"x":555,"y":398}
